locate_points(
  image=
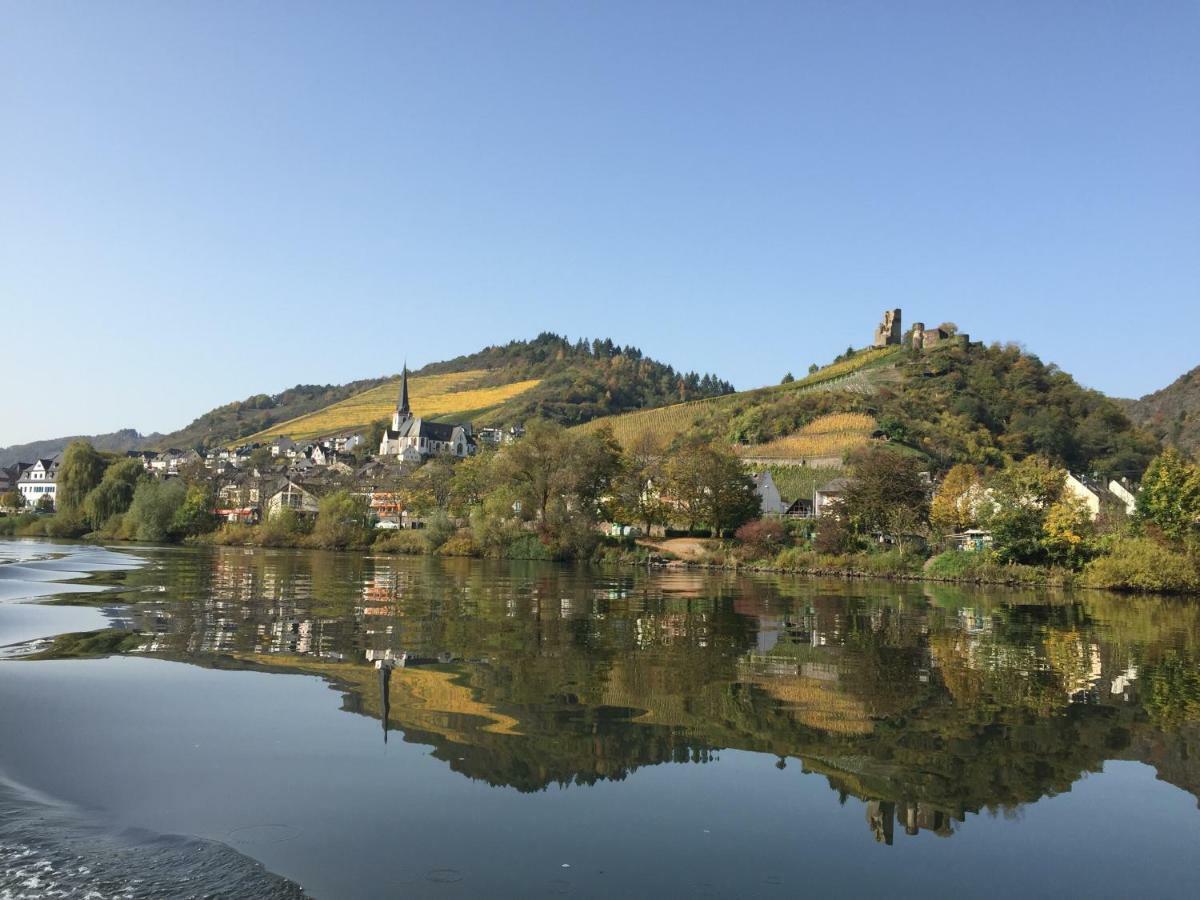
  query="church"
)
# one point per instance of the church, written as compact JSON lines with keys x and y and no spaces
{"x":413,"y":439}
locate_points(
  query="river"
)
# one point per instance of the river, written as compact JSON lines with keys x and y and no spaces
{"x":280,"y":723}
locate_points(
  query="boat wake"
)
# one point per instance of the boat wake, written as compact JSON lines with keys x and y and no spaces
{"x":51,"y":850}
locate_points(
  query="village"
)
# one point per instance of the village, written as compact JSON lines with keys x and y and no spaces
{"x":253,"y":482}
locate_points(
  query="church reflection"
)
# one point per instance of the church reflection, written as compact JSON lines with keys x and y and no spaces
{"x":928,"y":705}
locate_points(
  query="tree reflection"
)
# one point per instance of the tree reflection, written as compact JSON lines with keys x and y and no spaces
{"x":927,"y":704}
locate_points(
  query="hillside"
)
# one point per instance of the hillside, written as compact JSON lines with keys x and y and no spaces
{"x":549,"y":377}
{"x":236,"y":421}
{"x":116,"y":441}
{"x":1173,"y":413}
{"x":950,"y":404}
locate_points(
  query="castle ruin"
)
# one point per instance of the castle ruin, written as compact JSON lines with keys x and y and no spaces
{"x":889,"y":332}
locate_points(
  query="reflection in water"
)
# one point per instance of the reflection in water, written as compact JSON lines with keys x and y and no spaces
{"x":928,"y":703}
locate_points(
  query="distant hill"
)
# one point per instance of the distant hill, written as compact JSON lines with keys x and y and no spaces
{"x":950,"y":404}
{"x":549,"y":376}
{"x":1173,"y":413}
{"x":236,"y":421}
{"x":119,"y":441}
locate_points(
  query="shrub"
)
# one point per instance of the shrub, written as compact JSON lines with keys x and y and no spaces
{"x":1142,"y":564}
{"x":401,"y":541}
{"x":461,"y":543}
{"x":438,"y":529}
{"x":765,"y":535}
{"x":153,"y":510}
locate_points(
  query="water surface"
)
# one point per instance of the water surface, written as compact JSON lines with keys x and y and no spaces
{"x":549,"y":730}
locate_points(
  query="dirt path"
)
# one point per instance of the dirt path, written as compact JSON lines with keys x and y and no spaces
{"x":688,"y":549}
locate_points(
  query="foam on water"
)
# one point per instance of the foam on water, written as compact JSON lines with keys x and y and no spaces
{"x":49,"y":850}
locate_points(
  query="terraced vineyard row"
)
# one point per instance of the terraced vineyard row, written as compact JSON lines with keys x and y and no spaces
{"x":831,"y":435}
{"x":429,"y":396}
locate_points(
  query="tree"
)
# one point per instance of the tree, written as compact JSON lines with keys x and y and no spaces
{"x":195,"y":515}
{"x":113,"y":495}
{"x":80,"y":471}
{"x":44,"y":504}
{"x":954,"y":505}
{"x":343,"y":520}
{"x":152,"y":513}
{"x":1067,"y":532}
{"x":374,"y":436}
{"x":1020,"y":497}
{"x":788,"y":378}
{"x":710,"y":485}
{"x":1170,"y":495}
{"x":429,"y":488}
{"x":637,"y":487}
{"x":552,"y":471}
{"x":886,"y":489}
{"x":12,"y":500}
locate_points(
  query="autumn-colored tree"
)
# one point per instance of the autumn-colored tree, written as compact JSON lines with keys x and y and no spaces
{"x":1170,"y":495}
{"x":953,"y":508}
{"x":1067,"y":532}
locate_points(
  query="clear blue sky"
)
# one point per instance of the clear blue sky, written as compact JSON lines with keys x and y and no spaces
{"x":202,"y":201}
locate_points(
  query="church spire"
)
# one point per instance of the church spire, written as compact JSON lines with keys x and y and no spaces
{"x":402,"y":406}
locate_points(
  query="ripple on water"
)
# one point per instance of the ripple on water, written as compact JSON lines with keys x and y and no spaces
{"x":50,"y":852}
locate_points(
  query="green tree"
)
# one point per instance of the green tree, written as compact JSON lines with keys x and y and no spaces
{"x":1170,"y":495}
{"x":1020,"y":497}
{"x":710,"y":485}
{"x":886,"y":487}
{"x":79,"y":471}
{"x":636,"y":492}
{"x":151,"y":516}
{"x":343,"y":520}
{"x":788,"y":378}
{"x":114,"y":494}
{"x":12,"y":500}
{"x":195,"y":514}
{"x":552,"y":471}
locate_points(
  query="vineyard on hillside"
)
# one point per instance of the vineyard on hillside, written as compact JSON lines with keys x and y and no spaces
{"x":429,"y":396}
{"x":831,"y":435}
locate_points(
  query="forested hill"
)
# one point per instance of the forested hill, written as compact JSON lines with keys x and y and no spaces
{"x":581,"y":380}
{"x":1173,"y":413}
{"x":976,"y":404}
{"x":549,"y":377}
{"x":118,"y":441}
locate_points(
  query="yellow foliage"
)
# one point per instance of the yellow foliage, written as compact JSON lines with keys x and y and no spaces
{"x":429,"y":396}
{"x":830,"y":435}
{"x":665,"y":423}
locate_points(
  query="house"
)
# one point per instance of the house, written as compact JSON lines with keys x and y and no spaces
{"x":413,"y":439}
{"x":39,"y":482}
{"x":348,"y":443}
{"x":495,"y":437}
{"x":290,"y":494}
{"x":768,"y":494}
{"x":145,"y":457}
{"x":1125,"y":493}
{"x":1097,"y":496}
{"x":801,"y":509}
{"x":829,"y":496}
{"x":284,"y":446}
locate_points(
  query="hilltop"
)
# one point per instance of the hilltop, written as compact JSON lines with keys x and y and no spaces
{"x":1173,"y":413}
{"x":955,"y":402}
{"x":548,"y":376}
{"x":116,"y":441}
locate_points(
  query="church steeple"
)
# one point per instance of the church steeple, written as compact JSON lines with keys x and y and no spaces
{"x":402,"y":405}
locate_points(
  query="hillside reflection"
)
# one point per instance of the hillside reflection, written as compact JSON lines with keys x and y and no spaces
{"x":927,"y":703}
